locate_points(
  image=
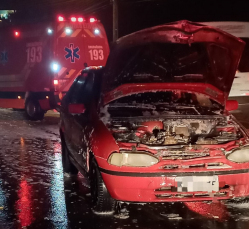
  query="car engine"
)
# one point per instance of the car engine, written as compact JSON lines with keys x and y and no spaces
{"x":175,"y":131}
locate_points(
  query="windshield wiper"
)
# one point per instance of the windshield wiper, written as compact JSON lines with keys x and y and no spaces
{"x":136,"y":105}
{"x":188,"y":107}
{"x":179,"y":106}
{"x":189,"y":76}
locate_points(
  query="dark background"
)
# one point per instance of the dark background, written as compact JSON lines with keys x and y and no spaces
{"x":133,"y":14}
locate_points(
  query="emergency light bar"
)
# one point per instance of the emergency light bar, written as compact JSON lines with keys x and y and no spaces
{"x":76,"y":19}
{"x":79,"y":19}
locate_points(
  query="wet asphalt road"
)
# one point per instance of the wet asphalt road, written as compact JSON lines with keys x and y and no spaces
{"x":35,"y":194}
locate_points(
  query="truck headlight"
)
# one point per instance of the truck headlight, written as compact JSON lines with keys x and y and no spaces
{"x":68,"y":31}
{"x":55,"y":67}
{"x":240,"y":155}
{"x":134,"y":159}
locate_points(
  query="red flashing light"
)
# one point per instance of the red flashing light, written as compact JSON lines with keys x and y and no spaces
{"x":80,"y":19}
{"x":73,"y":19}
{"x":56,"y":82}
{"x":17,"y":34}
{"x":60,"y":18}
{"x":92,"y":19}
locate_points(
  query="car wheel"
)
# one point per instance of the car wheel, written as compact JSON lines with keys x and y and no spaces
{"x":33,"y":110}
{"x":67,"y":165}
{"x":102,"y":201}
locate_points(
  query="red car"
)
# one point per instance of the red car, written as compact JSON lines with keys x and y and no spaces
{"x":154,"y":124}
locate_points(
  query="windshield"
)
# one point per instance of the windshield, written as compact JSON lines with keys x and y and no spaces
{"x":162,"y":103}
{"x":168,"y":62}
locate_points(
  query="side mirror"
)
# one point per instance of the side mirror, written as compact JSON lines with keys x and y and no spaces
{"x":76,"y":108}
{"x":232,"y":105}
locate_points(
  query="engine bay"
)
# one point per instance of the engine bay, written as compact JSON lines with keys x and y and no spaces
{"x":175,"y":131}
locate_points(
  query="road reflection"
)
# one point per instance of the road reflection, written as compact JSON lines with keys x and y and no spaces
{"x":58,"y":204}
{"x":215,"y":210}
{"x":24,"y":204}
{"x":3,"y":212}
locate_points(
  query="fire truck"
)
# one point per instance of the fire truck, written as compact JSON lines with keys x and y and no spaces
{"x":39,"y":62}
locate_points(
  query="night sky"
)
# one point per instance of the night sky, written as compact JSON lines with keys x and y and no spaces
{"x":135,"y":14}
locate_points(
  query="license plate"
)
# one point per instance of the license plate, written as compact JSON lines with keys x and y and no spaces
{"x":197,"y":184}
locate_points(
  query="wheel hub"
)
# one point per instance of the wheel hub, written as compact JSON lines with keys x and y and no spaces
{"x":31,"y":108}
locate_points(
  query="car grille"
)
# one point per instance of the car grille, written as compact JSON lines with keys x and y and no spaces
{"x":214,"y":165}
{"x":183,"y":155}
{"x":191,"y":195}
{"x":169,"y":192}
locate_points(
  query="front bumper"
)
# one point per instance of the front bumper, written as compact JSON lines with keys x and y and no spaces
{"x":154,"y":187}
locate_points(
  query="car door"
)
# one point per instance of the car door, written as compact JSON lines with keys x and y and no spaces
{"x":82,"y":122}
{"x":65,"y":116}
{"x":72,"y":97}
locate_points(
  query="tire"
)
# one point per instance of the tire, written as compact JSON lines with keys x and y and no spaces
{"x":102,"y":201}
{"x":33,"y":110}
{"x":67,"y":165}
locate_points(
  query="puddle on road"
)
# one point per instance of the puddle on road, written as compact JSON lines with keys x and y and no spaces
{"x":32,"y":180}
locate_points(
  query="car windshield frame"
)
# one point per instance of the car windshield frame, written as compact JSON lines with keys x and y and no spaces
{"x":164,"y":102}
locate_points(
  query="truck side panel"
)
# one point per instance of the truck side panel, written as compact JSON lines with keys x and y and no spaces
{"x":24,"y":63}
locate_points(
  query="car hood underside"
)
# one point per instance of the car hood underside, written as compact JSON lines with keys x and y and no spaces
{"x":178,"y":53}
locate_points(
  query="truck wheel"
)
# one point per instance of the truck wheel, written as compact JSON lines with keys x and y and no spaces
{"x":33,"y":110}
{"x":67,"y":165}
{"x":102,"y":201}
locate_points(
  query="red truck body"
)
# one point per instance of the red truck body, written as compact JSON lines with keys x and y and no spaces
{"x":39,"y":62}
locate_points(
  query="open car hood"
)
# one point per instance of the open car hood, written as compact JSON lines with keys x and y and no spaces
{"x":175,"y":55}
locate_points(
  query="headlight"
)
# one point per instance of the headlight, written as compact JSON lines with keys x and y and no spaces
{"x":68,"y":31}
{"x":50,"y":31}
{"x":55,"y":67}
{"x":136,"y":159}
{"x":239,"y":155}
{"x":96,"y":31}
